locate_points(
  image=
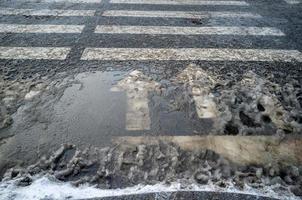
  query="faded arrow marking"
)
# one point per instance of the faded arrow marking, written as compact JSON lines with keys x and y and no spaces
{"x":137,"y":87}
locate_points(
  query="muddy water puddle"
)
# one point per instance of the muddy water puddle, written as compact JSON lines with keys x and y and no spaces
{"x":93,"y":108}
{"x":89,"y":109}
{"x":135,"y":126}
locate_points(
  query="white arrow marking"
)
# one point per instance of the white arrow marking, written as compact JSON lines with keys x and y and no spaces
{"x":198,"y":82}
{"x":137,"y":86}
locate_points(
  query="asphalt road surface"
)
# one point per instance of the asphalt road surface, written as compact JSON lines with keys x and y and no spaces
{"x":97,"y":69}
{"x":188,"y":195}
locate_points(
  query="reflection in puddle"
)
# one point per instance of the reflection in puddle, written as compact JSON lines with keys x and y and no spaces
{"x":122,"y":103}
{"x":91,"y":110}
{"x":98,"y":106}
{"x":137,"y":87}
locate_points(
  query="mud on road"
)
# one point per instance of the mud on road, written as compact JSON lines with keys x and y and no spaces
{"x":208,"y":100}
{"x":125,"y":165}
{"x":200,"y":101}
{"x":59,"y":116}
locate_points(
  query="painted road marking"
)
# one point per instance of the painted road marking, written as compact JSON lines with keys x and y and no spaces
{"x":137,"y":87}
{"x":20,"y":28}
{"x":200,"y":93}
{"x":66,"y":1}
{"x":181,"y":2}
{"x":46,"y":12}
{"x":206,"y":54}
{"x":51,"y":53}
{"x":178,"y":14}
{"x":172,"y":30}
{"x":293,"y":1}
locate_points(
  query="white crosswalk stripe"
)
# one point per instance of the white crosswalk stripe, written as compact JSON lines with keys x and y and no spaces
{"x":20,"y":28}
{"x":172,"y":30}
{"x":179,"y":14}
{"x":293,"y":1}
{"x":50,"y":53}
{"x":46,"y":12}
{"x":204,"y":54}
{"x":65,"y":1}
{"x":181,"y":2}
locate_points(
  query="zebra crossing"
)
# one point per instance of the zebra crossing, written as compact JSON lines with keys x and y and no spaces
{"x":46,"y":12}
{"x":178,"y":2}
{"x":41,"y":28}
{"x":102,"y":16}
{"x":174,"y":30}
{"x":68,"y":1}
{"x":178,"y":14}
{"x":191,"y":54}
{"x":134,"y":48}
{"x":59,"y":53}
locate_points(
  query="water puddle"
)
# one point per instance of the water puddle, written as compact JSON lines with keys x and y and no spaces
{"x":117,"y":116}
{"x":94,"y":107}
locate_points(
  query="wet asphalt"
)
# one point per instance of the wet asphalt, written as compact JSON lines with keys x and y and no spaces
{"x":187,"y":195}
{"x":275,"y":13}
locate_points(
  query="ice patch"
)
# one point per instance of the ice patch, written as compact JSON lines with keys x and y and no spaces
{"x":47,"y":187}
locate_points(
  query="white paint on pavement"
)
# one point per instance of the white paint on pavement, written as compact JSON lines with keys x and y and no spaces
{"x":181,"y":2}
{"x":206,"y":54}
{"x":63,"y":1}
{"x":46,"y":12}
{"x":173,"y":30}
{"x":137,"y":86}
{"x":49,"y":53}
{"x":179,"y":14}
{"x":293,"y":2}
{"x":73,"y":1}
{"x":39,"y":28}
{"x":198,"y":84}
{"x":238,"y":14}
